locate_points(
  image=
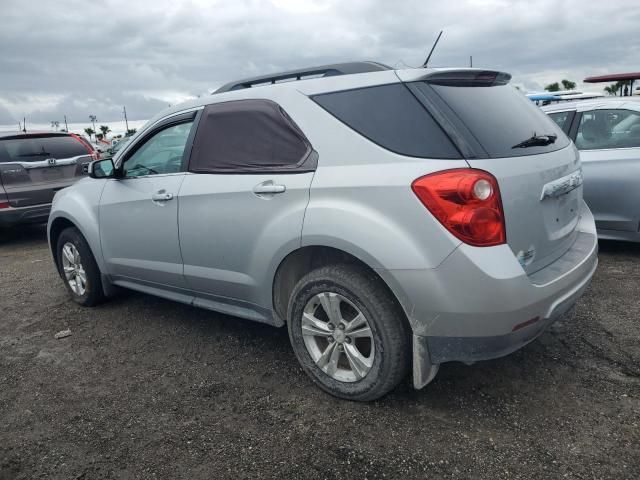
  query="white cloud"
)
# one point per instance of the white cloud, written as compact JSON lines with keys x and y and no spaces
{"x":75,"y":57}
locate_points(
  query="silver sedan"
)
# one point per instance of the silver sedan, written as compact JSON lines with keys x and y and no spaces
{"x":607,"y":133}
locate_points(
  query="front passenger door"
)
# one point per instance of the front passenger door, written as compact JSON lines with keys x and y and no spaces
{"x":139,"y":211}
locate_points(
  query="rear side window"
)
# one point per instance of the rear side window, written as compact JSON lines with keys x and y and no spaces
{"x":600,"y":129}
{"x":499,"y":117}
{"x":35,"y":149}
{"x":390,"y":116}
{"x":247,"y":136}
{"x":563,"y":119}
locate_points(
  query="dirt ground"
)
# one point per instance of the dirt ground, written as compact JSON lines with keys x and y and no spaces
{"x":146,"y":388}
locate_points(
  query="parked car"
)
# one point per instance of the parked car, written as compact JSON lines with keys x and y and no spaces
{"x":33,"y":167}
{"x":392,"y":220}
{"x":607,"y":133}
{"x":116,"y":147}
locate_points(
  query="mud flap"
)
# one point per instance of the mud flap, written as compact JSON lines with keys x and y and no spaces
{"x":423,"y":370}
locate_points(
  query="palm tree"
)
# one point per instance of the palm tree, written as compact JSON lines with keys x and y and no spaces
{"x":617,"y":88}
{"x":104,"y":129}
{"x":89,"y":131}
{"x":553,"y":87}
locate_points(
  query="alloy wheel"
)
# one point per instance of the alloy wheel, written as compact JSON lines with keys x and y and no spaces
{"x":338,"y":337}
{"x":73,"y":270}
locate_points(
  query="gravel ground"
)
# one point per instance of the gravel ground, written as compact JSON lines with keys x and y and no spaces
{"x":145,"y":388}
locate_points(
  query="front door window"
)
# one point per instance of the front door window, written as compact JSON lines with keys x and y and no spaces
{"x":161,"y":154}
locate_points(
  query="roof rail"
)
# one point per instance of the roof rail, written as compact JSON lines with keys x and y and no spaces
{"x":321,"y":71}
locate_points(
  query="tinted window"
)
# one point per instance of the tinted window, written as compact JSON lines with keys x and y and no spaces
{"x":562,"y":119}
{"x":35,"y":149}
{"x":600,"y":129}
{"x":160,"y":154}
{"x":499,"y":117}
{"x":247,"y":135}
{"x":392,"y":117}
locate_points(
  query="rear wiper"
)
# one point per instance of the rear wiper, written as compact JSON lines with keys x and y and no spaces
{"x":537,"y":141}
{"x":38,"y":154}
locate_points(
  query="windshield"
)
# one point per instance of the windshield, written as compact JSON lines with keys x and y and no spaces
{"x":118,"y":146}
{"x":503,"y":121}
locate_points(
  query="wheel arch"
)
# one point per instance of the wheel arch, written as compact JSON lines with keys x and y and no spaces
{"x":306,"y":258}
{"x":57,"y":226}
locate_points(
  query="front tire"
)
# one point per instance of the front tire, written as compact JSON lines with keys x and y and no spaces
{"x":78,"y":268}
{"x":348,"y":332}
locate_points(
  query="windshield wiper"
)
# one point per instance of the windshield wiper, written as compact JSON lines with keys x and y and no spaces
{"x":537,"y":141}
{"x":36,"y":154}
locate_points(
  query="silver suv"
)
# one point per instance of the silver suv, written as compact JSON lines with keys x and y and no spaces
{"x":392,"y":220}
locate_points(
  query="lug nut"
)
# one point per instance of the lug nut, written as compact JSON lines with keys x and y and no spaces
{"x":331,"y":327}
{"x":341,"y":327}
{"x":331,"y":340}
{"x":347,"y":340}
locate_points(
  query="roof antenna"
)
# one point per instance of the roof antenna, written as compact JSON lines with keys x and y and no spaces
{"x":424,"y":65}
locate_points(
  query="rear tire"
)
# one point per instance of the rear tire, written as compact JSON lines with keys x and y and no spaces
{"x":361,"y":350}
{"x":78,"y":268}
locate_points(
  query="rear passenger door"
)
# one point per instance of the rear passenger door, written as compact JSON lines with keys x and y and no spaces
{"x":609,"y":144}
{"x":242,"y":203}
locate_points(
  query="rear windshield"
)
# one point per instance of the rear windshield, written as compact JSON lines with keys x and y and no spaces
{"x":499,"y":117}
{"x":35,"y":149}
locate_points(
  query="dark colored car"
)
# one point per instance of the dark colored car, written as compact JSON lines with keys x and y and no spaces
{"x":33,"y":167}
{"x":115,"y":148}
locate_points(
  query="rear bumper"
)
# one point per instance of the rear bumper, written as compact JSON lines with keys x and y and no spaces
{"x":31,"y":214}
{"x":480,"y":304}
{"x":471,"y":349}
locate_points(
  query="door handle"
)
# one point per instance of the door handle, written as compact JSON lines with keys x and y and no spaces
{"x":268,"y":187}
{"x":162,"y":196}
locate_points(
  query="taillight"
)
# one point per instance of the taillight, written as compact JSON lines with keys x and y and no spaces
{"x":94,"y":153}
{"x":4,"y":205}
{"x":467,"y":202}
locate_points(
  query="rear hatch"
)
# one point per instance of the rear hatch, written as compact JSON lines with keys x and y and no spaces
{"x":537,"y":167}
{"x":33,"y":167}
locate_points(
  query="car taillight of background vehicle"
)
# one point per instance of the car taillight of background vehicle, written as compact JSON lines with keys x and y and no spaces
{"x":467,"y":202}
{"x":94,"y":153}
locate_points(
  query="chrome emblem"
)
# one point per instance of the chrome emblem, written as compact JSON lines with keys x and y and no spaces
{"x":563,"y":185}
{"x":51,"y":162}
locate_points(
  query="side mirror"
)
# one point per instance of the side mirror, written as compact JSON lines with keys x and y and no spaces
{"x":101,"y":169}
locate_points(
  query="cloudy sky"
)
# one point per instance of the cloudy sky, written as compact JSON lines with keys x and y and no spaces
{"x":79,"y":57}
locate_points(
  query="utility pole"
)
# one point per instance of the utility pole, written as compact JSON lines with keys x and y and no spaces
{"x":24,"y":124}
{"x":470,"y":61}
{"x":93,"y":119}
{"x":66,"y":127}
{"x":126,"y":122}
